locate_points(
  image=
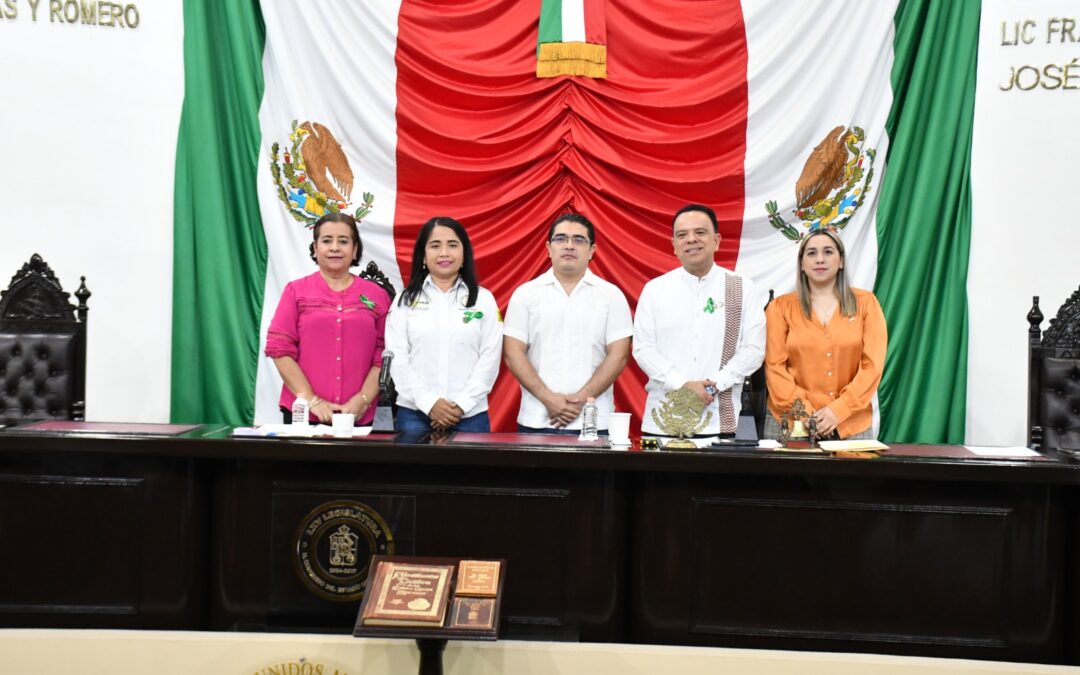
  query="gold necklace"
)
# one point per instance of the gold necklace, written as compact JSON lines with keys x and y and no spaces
{"x":825,"y":307}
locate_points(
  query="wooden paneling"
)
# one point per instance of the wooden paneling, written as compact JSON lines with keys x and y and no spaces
{"x":918,"y":552}
{"x":102,"y":542}
{"x":561,"y":532}
{"x":945,"y":568}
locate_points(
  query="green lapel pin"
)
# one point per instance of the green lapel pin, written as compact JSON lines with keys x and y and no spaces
{"x":370,"y":304}
{"x":710,"y":306}
{"x":469,"y":316}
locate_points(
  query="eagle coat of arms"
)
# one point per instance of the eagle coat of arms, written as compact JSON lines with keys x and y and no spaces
{"x":833,"y":184}
{"x":313,"y":176}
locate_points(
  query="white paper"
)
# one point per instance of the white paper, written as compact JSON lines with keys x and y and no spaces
{"x":290,"y":431}
{"x":852,"y":445}
{"x":1020,"y":451}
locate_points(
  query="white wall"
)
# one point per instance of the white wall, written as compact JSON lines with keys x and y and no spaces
{"x":1026,"y":214}
{"x":88,"y":125}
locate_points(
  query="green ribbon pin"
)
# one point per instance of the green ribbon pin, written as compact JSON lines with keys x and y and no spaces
{"x":469,"y":316}
{"x":370,"y":304}
{"x":710,"y":306}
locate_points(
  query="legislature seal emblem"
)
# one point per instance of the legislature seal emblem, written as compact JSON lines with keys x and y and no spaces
{"x":313,"y":176}
{"x":334,"y":544}
{"x":833,"y":185}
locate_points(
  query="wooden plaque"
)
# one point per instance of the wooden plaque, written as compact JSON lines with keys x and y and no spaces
{"x":478,"y":578}
{"x":408,"y":594}
{"x":473,"y":614}
{"x":464,"y":617}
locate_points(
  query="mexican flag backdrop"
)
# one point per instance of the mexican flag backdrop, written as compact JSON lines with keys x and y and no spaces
{"x":784,"y":117}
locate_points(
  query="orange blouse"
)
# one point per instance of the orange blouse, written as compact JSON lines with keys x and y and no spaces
{"x":838,"y":365}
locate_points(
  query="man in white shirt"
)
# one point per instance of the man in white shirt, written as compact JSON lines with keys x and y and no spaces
{"x":699,"y":326}
{"x":566,"y":335}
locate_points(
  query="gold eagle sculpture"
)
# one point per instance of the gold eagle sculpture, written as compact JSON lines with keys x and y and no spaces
{"x":325,"y":162}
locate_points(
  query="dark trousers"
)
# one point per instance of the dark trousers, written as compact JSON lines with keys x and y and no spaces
{"x":409,"y":421}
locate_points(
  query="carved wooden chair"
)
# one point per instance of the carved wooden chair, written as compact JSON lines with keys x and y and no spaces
{"x":1054,"y":377}
{"x":373,"y":274}
{"x":42,"y":347}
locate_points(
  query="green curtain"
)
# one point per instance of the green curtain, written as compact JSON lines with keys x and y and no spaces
{"x":924,"y":221}
{"x":219,"y":255}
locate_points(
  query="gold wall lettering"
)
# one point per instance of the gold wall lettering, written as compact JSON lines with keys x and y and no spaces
{"x":1052,"y":76}
{"x":1016,"y":32}
{"x":98,"y":13}
{"x":1062,"y":27}
{"x":1058,"y":30}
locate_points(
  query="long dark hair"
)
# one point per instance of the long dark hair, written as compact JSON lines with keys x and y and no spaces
{"x":419,"y":271}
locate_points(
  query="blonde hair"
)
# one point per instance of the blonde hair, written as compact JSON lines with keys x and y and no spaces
{"x":848,"y":304}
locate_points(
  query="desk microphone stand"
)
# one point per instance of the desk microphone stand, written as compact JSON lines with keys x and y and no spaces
{"x":384,"y":413}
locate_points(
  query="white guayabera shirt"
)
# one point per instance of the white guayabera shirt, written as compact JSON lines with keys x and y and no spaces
{"x":567,"y":338}
{"x":679,"y":337}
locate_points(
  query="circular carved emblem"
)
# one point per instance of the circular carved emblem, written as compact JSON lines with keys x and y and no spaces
{"x":334,"y":544}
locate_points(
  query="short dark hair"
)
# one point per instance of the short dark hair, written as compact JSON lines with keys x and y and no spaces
{"x":337,"y":218}
{"x":418,"y":272}
{"x":701,"y":208}
{"x":574,"y":218}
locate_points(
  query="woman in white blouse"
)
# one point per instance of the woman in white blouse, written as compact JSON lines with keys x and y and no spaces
{"x":445,"y":334}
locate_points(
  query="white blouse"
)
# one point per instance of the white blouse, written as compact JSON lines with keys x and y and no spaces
{"x":443,"y":349}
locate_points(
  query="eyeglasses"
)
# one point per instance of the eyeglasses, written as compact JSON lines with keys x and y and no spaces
{"x":576,"y":240}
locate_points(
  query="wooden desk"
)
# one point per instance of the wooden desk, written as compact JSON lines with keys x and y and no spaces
{"x":902,"y":554}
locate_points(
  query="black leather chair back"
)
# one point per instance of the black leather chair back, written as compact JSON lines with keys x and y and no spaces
{"x":756,"y":392}
{"x":1054,"y":377}
{"x":42,"y":348}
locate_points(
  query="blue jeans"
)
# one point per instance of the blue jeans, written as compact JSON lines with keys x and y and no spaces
{"x":414,"y":421}
{"x":522,"y":429}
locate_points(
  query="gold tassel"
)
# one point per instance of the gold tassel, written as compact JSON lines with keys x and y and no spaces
{"x":577,"y":67}
{"x":572,"y":58}
{"x":558,"y":51}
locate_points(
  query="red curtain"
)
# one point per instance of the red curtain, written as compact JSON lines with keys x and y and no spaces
{"x":482,"y":140}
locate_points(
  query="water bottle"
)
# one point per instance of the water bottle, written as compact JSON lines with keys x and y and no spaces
{"x":300,"y":411}
{"x":589,"y":415}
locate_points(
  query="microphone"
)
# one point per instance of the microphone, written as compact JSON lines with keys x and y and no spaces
{"x":384,"y":375}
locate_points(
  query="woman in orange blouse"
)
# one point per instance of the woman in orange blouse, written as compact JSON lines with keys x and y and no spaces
{"x":825,"y":345}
